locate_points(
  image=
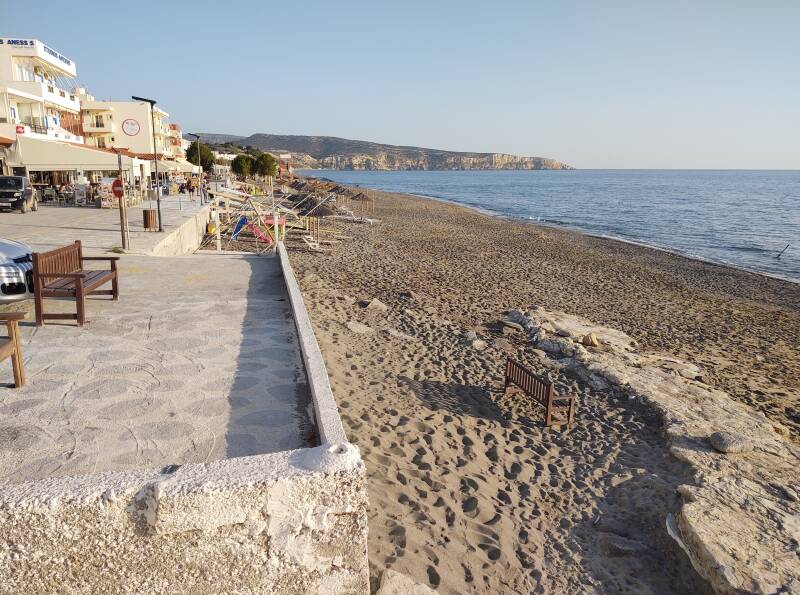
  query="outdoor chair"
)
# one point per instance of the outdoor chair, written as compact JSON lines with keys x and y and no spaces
{"x":11,"y":347}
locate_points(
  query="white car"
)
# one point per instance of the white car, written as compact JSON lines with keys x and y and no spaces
{"x":16,"y":271}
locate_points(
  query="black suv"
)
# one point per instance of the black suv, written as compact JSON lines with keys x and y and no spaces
{"x":16,"y":192}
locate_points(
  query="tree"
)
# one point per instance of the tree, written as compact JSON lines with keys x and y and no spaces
{"x":242,"y":165}
{"x":265,"y":165}
{"x":206,"y":156}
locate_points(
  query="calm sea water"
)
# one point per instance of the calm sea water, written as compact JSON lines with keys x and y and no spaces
{"x":741,"y":218}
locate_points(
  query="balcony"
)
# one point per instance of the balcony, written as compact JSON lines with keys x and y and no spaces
{"x":37,"y":131}
{"x":98,"y":126}
{"x":48,"y":92}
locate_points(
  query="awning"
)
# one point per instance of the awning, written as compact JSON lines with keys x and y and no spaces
{"x":187,"y":167}
{"x":48,"y":155}
{"x":164,"y":166}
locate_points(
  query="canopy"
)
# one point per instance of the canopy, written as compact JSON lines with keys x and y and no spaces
{"x":49,"y":155}
{"x":186,"y":167}
{"x":163,"y":166}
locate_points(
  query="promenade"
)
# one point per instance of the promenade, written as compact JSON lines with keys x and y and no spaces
{"x":98,"y":229}
{"x":197,"y":361}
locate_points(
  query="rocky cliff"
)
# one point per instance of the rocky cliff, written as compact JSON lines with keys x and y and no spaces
{"x":328,"y":152}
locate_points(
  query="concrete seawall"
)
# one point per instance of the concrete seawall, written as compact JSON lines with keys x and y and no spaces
{"x":329,"y":424}
{"x":186,"y":238}
{"x":289,"y":522}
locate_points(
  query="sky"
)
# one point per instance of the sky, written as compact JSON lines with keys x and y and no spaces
{"x":597,"y":84}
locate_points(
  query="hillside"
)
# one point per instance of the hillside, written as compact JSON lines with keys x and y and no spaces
{"x":327,"y":152}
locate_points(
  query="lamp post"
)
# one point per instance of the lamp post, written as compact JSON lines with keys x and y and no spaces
{"x":199,"y":164}
{"x":152,"y":103}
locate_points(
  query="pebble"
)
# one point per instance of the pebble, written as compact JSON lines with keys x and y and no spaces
{"x":590,"y":340}
{"x":616,"y":545}
{"x":512,"y":325}
{"x":374,"y":304}
{"x":358,"y":328}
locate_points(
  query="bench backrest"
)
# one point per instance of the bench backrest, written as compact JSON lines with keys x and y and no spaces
{"x":532,"y":384}
{"x":61,"y":260}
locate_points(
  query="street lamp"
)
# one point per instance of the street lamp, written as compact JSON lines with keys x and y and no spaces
{"x":152,"y":103}
{"x":199,"y":164}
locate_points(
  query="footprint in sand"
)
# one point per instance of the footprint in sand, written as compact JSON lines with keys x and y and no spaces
{"x":433,"y":577}
{"x":492,"y":552}
{"x":470,"y":507}
{"x":397,"y":536}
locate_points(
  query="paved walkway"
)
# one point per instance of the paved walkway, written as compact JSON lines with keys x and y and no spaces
{"x":98,"y":229}
{"x":198,"y":361}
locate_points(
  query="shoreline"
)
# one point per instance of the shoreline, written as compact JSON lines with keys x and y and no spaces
{"x":574,"y":229}
{"x":583,"y":232}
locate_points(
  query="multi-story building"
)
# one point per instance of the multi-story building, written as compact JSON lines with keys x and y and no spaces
{"x":128,"y":125}
{"x":38,"y":97}
{"x":175,"y":140}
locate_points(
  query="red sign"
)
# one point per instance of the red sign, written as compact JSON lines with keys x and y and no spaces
{"x":117,"y":188}
{"x":20,"y":130}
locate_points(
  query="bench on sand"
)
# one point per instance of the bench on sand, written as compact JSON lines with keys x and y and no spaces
{"x":59,"y":273}
{"x":11,"y":347}
{"x":559,"y":409}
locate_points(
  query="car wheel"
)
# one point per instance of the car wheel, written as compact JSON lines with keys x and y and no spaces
{"x":35,"y":205}
{"x":23,"y":207}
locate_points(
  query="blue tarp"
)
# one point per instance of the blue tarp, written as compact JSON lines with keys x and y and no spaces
{"x":239,"y":227}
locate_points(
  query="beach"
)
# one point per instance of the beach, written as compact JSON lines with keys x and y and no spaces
{"x":468,"y":492}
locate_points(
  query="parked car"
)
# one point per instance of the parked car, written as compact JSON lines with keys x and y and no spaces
{"x":16,"y":192}
{"x":16,"y":271}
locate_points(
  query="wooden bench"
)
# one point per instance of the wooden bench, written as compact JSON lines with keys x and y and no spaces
{"x":59,"y":273}
{"x":541,"y":390}
{"x":11,"y":347}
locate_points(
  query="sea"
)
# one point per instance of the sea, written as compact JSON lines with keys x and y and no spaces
{"x":745,"y":219}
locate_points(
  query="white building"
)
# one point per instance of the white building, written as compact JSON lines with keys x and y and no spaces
{"x":38,"y":97}
{"x":129,"y":125}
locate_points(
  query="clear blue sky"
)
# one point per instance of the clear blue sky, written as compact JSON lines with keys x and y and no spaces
{"x":598,"y":84}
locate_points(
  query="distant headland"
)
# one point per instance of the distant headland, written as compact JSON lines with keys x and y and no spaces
{"x":328,"y":152}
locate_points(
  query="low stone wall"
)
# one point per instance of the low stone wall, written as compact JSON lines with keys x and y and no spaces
{"x":291,"y":522}
{"x":186,"y":238}
{"x":329,"y":424}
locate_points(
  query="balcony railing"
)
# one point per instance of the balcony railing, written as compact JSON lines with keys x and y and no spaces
{"x":98,"y":126}
{"x":38,"y":129}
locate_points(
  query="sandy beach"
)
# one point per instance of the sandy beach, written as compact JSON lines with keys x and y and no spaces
{"x":468,"y":492}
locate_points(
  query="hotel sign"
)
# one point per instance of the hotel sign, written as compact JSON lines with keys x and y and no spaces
{"x":24,"y":43}
{"x":131,"y":127}
{"x":57,"y":56}
{"x":32,"y":44}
